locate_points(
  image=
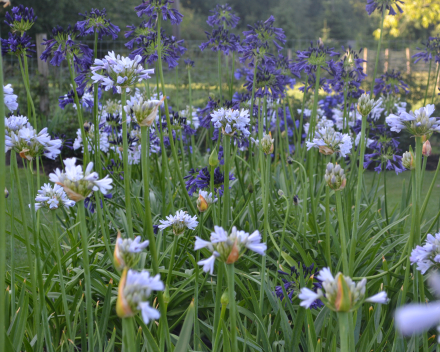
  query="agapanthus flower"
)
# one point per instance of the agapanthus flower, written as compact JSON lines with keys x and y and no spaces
{"x":78,"y":184}
{"x":145,"y":112}
{"x":340,"y":294}
{"x":17,"y":44}
{"x":104,"y":143}
{"x":28,"y":143}
{"x":147,"y":47}
{"x":390,"y":82}
{"x":221,"y":39}
{"x":152,"y":8}
{"x":328,"y":141}
{"x":408,"y":161}
{"x":418,"y":123}
{"x":135,"y":288}
{"x":292,"y":285}
{"x":10,"y":98}
{"x":189,"y":64}
{"x":21,"y":18}
{"x":310,"y":83}
{"x":428,"y":255}
{"x":52,"y":198}
{"x":14,"y":123}
{"x":126,"y":254}
{"x":266,"y":143}
{"x":309,"y":60}
{"x":179,"y":222}
{"x":119,"y":72}
{"x":430,"y":51}
{"x":231,"y":121}
{"x":97,"y":21}
{"x":335,"y":177}
{"x":205,"y":200}
{"x":202,"y":179}
{"x":382,"y":5}
{"x":135,"y":34}
{"x":85,"y":97}
{"x":228,"y":248}
{"x":269,"y":82}
{"x":223,"y":16}
{"x":417,"y":318}
{"x":62,"y":44}
{"x":192,"y":119}
{"x":367,"y":106}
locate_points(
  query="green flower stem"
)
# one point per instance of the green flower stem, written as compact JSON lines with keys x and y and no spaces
{"x":343,"y":319}
{"x":301,"y":121}
{"x":211,"y":186}
{"x":170,"y":132}
{"x":97,"y":141}
{"x":435,"y":84}
{"x":419,"y":146}
{"x":190,"y":117}
{"x":360,"y":182}
{"x":342,"y":235}
{"x":88,"y":283}
{"x":377,"y":53}
{"x":105,"y":235}
{"x":225,"y":198}
{"x":283,"y":234}
{"x":328,"y":256}
{"x":219,"y":68}
{"x":196,"y":342}
{"x":232,"y":306}
{"x":219,"y":329}
{"x":148,"y":226}
{"x":427,"y":84}
{"x":127,"y":176}
{"x":3,"y":217}
{"x":79,"y":113}
{"x":171,"y":264}
{"x":313,"y":117}
{"x":61,"y":275}
{"x":218,"y":297}
{"x":128,"y":335}
{"x":24,"y":217}
{"x":231,"y":88}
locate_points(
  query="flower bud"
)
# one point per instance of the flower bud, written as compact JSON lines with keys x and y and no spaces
{"x":267,"y":144}
{"x":225,"y":298}
{"x":408,"y":161}
{"x":426,"y":151}
{"x":335,"y":177}
{"x":251,"y":188}
{"x":123,"y":309}
{"x":343,"y":299}
{"x":6,"y":193}
{"x":86,"y":126}
{"x":202,"y":204}
{"x":213,"y":158}
{"x":295,"y":200}
{"x":365,"y":104}
{"x":280,"y":193}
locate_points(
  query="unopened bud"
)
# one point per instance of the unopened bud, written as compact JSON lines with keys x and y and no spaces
{"x":427,"y":149}
{"x":280,"y":193}
{"x":202,"y":204}
{"x":213,"y":158}
{"x":251,"y":188}
{"x":344,"y":297}
{"x":289,"y":160}
{"x":408,"y":161}
{"x":295,"y":200}
{"x":225,"y":298}
{"x":86,"y":126}
{"x":6,"y":193}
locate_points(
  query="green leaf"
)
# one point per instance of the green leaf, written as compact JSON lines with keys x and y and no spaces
{"x":185,"y":333}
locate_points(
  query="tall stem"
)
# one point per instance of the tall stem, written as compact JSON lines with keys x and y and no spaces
{"x":377,"y":53}
{"x":342,"y":235}
{"x":232,"y":306}
{"x":88,"y":282}
{"x":343,"y":319}
{"x":128,"y":335}
{"x":427,"y":84}
{"x":219,"y":67}
{"x":96,"y":114}
{"x":225,"y":198}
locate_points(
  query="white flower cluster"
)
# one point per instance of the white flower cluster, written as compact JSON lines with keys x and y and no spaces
{"x":179,"y":222}
{"x":104,"y":144}
{"x":228,"y":248}
{"x":342,"y":294}
{"x":120,"y":72}
{"x":79,"y":185}
{"x":230,"y":121}
{"x":127,"y":251}
{"x":24,"y":139}
{"x":427,"y":255}
{"x":52,"y":198}
{"x":367,"y":106}
{"x":205,"y":200}
{"x":135,"y":288}
{"x":322,"y":122}
{"x":328,"y":141}
{"x":418,"y":123}
{"x":193,"y":119}
{"x":10,"y":98}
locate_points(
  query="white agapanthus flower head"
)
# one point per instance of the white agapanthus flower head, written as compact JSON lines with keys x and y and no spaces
{"x":10,"y":98}
{"x":205,"y":200}
{"x":408,"y":161}
{"x":328,"y":141}
{"x":78,"y":184}
{"x":419,"y":123}
{"x":52,"y":198}
{"x":15,"y":123}
{"x":179,"y":222}
{"x":27,"y":142}
{"x":135,"y":289}
{"x":191,"y":117}
{"x":367,"y":106}
{"x":335,"y":177}
{"x":428,"y":255}
{"x":340,"y":293}
{"x":368,"y":141}
{"x":231,"y":121}
{"x":228,"y":248}
{"x":322,"y":122}
{"x":104,"y":144}
{"x":266,"y":143}
{"x":119,"y":72}
{"x":145,"y":112}
{"x":126,"y":254}
{"x":417,"y":318}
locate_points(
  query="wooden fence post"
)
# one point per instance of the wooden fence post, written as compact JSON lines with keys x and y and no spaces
{"x":366,"y":60}
{"x":408,"y":61}
{"x":387,"y":55}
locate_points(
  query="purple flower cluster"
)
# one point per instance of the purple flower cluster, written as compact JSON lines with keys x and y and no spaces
{"x":221,"y":39}
{"x":223,"y":16}
{"x":308,"y":60}
{"x":431,"y":49}
{"x":390,"y":82}
{"x":200,"y":179}
{"x":152,"y":8}
{"x":96,"y":21}
{"x":21,"y":18}
{"x":18,"y":44}
{"x":373,"y":5}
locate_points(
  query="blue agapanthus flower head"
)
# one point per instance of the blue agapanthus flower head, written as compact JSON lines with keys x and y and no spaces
{"x":383,"y":5}
{"x":188,"y":63}
{"x":200,"y":179}
{"x":97,"y":21}
{"x":291,"y":283}
{"x":390,"y":82}
{"x":310,"y":83}
{"x":221,"y":39}
{"x":431,"y":50}
{"x":310,"y":59}
{"x":135,"y":34}
{"x":152,"y":8}
{"x":257,"y":41}
{"x":329,"y":103}
{"x":17,"y":44}
{"x":21,"y":18}
{"x":62,"y":44}
{"x":171,"y":48}
{"x":223,"y":16}
{"x":269,"y":82}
